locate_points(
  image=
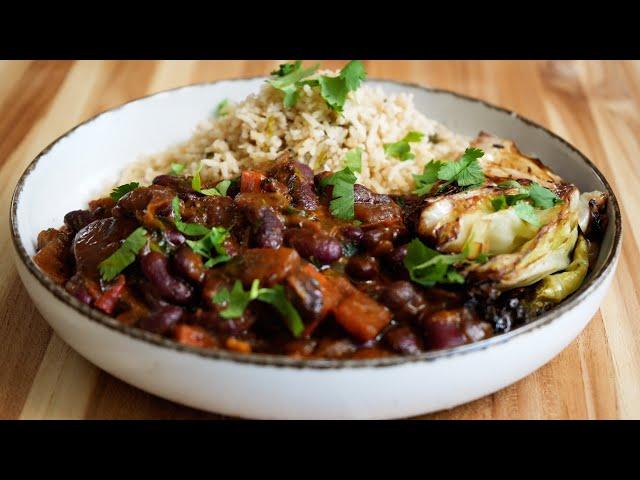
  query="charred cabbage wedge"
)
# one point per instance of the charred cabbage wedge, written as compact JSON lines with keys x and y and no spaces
{"x":524,"y":217}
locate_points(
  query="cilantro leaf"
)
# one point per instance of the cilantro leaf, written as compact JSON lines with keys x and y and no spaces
{"x":466,"y":171}
{"x":196,"y":184}
{"x":527,"y":213}
{"x":428,"y":178}
{"x":238,"y":299}
{"x":220,"y":109}
{"x":499,"y":202}
{"x":509,"y":184}
{"x":482,"y":258}
{"x":124,"y":256}
{"x":413,"y":137}
{"x":118,"y":192}
{"x":277,"y":298}
{"x":353,"y":160}
{"x":192,"y":229}
{"x":428,"y":267}
{"x":400,"y":150}
{"x":539,"y":196}
{"x":288,"y":80}
{"x":334,"y":90}
{"x":211,"y":246}
{"x":221,"y":297}
{"x":353,"y":74}
{"x":286,"y":68}
{"x":543,"y":197}
{"x":342,"y":204}
{"x":177,"y":168}
{"x":223,"y":186}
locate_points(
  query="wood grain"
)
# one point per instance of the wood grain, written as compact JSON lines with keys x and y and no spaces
{"x":595,"y":105}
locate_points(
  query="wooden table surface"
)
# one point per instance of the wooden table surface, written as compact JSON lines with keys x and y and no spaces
{"x":595,"y":105}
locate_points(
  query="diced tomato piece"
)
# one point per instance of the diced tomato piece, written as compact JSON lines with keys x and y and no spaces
{"x":250,"y":181}
{"x":108,"y":300}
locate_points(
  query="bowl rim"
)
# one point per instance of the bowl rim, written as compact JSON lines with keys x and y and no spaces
{"x":273,"y":360}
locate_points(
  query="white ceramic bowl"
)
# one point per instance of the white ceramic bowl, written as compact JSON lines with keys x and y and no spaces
{"x":78,"y":166}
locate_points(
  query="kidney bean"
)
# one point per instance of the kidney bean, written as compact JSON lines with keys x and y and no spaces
{"x":444,"y":328}
{"x":155,"y":268}
{"x":398,"y":294}
{"x":404,"y":340}
{"x":352,"y":233}
{"x":160,"y":321}
{"x":396,"y":257}
{"x":362,"y":268}
{"x":323,"y":248}
{"x":174,"y":237}
{"x":404,"y":299}
{"x":378,"y":241}
{"x":395,"y":261}
{"x":226,"y":326}
{"x":268,"y":230}
{"x":189,"y":264}
{"x":78,"y":219}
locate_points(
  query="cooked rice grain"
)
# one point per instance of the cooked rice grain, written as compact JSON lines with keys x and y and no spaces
{"x":260,"y":128}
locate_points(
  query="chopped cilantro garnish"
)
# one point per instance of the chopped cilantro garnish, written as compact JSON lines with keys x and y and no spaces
{"x":466,"y":172}
{"x":238,"y":299}
{"x":124,"y":256}
{"x":220,"y":109}
{"x":192,"y":229}
{"x":428,"y":178}
{"x":482,"y":258}
{"x":119,"y":192}
{"x":538,"y":195}
{"x":177,"y":168}
{"x":527,"y":213}
{"x":543,"y":197}
{"x":196,"y":184}
{"x":223,"y":186}
{"x":401,"y":149}
{"x":211,"y":246}
{"x":428,"y":267}
{"x":334,"y":90}
{"x":342,"y":205}
{"x":290,"y":78}
{"x":286,"y":69}
{"x":499,"y":202}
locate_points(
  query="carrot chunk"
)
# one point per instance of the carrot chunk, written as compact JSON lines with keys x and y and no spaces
{"x":238,"y":345}
{"x":250,"y":181}
{"x":194,"y":336}
{"x":361,"y":316}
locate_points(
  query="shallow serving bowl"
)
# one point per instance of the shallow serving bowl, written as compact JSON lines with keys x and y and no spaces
{"x":88,"y":159}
